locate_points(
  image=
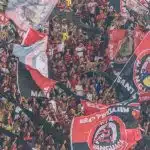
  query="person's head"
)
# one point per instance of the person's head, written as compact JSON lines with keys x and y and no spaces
{"x":111,"y":8}
{"x":50,"y":105}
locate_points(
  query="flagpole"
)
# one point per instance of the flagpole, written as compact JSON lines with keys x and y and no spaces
{"x":50,"y":73}
{"x":125,"y":66}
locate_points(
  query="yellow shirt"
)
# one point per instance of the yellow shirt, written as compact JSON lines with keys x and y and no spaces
{"x":68,"y":3}
{"x":65,"y":36}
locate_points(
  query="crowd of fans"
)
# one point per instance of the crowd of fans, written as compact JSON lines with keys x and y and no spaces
{"x":72,"y":54}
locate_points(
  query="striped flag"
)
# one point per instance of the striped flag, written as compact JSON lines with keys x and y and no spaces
{"x":33,"y":60}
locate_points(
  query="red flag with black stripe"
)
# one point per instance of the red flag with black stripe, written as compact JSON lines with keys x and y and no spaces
{"x":33,"y":67}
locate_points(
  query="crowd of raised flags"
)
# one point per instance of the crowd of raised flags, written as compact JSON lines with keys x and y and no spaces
{"x":93,"y":93}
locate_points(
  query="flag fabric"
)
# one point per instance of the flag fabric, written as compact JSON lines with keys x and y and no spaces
{"x":124,"y":83}
{"x":32,"y":36}
{"x":27,"y":86}
{"x":33,"y":56}
{"x":33,"y":77}
{"x":33,"y":59}
{"x":115,"y":129}
{"x":139,"y":35}
{"x":90,"y":108}
{"x":141,"y":67}
{"x":115,"y":4}
{"x":44,"y":83}
{"x":116,"y":37}
{"x":135,"y":76}
{"x":144,"y":97}
{"x":122,"y":44}
{"x":28,"y":13}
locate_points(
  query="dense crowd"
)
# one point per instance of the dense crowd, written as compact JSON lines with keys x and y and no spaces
{"x":72,"y":54}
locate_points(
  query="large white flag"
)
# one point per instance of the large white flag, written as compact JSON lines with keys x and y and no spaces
{"x":27,"y":13}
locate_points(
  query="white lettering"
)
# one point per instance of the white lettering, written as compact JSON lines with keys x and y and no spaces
{"x":39,"y":94}
{"x":137,"y":63}
{"x":119,"y":145}
{"x":139,"y":86}
{"x":129,"y":88}
{"x":103,"y":115}
{"x":125,"y":84}
{"x":118,"y":109}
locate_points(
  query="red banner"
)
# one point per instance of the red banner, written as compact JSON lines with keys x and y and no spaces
{"x":90,"y":108}
{"x":138,"y":36}
{"x":115,"y":42}
{"x":122,"y":44}
{"x":144,"y":97}
{"x":35,"y":59}
{"x":45,"y":84}
{"x":141,"y":70}
{"x":32,"y":36}
{"x":101,"y":132}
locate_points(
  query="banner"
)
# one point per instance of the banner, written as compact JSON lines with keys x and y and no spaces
{"x":141,"y":68}
{"x":144,"y":97}
{"x":116,"y":37}
{"x":135,"y":76}
{"x":26,"y":84}
{"x":122,"y":44}
{"x":32,"y":36}
{"x":33,"y":56}
{"x":115,"y":4}
{"x":27,"y":13}
{"x":33,"y":75}
{"x":35,"y":59}
{"x":116,"y":130}
{"x":90,"y":107}
{"x":139,"y":35}
{"x":121,"y":92}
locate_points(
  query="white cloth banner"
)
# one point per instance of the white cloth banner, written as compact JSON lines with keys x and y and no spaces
{"x":27,"y":13}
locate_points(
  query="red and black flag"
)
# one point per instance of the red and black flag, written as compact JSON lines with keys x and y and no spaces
{"x":32,"y":36}
{"x":90,"y":107}
{"x":122,"y":44}
{"x":33,"y":65}
{"x":116,"y":129}
{"x":135,"y":75}
{"x":33,"y":69}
